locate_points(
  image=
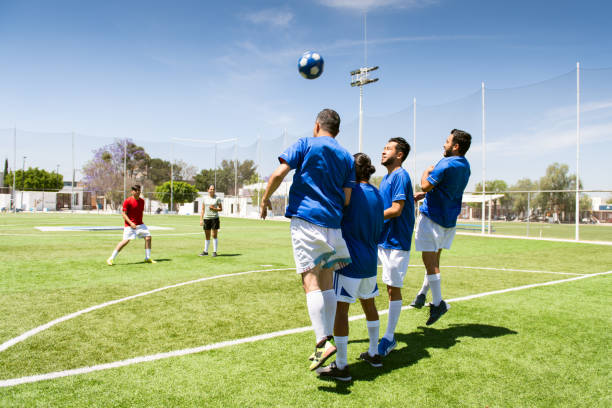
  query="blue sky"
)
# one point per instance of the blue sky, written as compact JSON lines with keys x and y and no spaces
{"x":152,"y":70}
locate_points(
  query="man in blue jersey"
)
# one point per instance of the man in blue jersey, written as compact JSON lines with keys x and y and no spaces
{"x":443,"y":186}
{"x":361,"y":226}
{"x":322,"y":184}
{"x":396,"y":238}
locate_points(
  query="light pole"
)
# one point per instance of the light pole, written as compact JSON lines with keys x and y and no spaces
{"x":22,"y":179}
{"x":57,"y":172}
{"x":359,"y":77}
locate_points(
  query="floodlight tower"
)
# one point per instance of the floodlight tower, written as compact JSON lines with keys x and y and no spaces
{"x":359,"y":77}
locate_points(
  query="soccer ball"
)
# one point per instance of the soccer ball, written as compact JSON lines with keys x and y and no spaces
{"x":310,"y":65}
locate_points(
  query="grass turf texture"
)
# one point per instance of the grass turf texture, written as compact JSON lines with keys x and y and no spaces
{"x":546,"y":346}
{"x":587,"y":232}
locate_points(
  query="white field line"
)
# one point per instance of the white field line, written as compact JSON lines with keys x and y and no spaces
{"x":96,"y":234}
{"x":122,"y":363}
{"x":52,"y":323}
{"x":499,"y":269}
{"x":534,"y":238}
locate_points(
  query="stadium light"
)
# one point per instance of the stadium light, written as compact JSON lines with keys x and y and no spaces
{"x":359,"y":77}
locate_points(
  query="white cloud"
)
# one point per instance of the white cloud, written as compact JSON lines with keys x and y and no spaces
{"x":277,"y":18}
{"x":368,"y":5}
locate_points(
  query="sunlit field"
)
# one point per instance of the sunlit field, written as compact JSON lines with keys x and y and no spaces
{"x":530,"y":323}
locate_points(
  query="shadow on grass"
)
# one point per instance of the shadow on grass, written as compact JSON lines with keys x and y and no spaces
{"x":143,"y":262}
{"x":412,"y":347}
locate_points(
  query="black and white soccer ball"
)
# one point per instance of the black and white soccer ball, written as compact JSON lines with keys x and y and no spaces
{"x":310,"y":65}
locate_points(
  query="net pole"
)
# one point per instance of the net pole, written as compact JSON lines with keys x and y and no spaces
{"x":528,"y":211}
{"x":172,"y":179}
{"x":124,"y":169}
{"x":484,"y":159}
{"x":236,"y":171}
{"x":73,"y":174}
{"x":577,"y":150}
{"x":13,"y":195}
{"x":215,"y":166}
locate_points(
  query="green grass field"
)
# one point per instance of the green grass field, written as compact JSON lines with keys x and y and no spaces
{"x":588,"y":232}
{"x":543,"y":346}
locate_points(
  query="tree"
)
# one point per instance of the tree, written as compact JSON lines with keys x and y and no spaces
{"x":159,"y":171}
{"x":184,"y":171}
{"x":558,"y":178}
{"x":519,"y":200}
{"x":609,"y":200}
{"x":5,"y":172}
{"x":182,"y":193}
{"x":104,"y":173}
{"x":247,"y":171}
{"x":494,"y":186}
{"x":35,"y":179}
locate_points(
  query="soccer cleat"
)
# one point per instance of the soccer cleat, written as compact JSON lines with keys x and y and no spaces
{"x":110,"y":261}
{"x":332,"y":371}
{"x":322,"y":353}
{"x":214,"y":254}
{"x":436,"y":312}
{"x":204,"y":253}
{"x":149,"y":260}
{"x":374,"y":361}
{"x":418,"y":301}
{"x":312,"y":356}
{"x":385,"y":347}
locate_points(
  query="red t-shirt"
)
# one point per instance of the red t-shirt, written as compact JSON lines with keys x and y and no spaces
{"x":134,"y":209}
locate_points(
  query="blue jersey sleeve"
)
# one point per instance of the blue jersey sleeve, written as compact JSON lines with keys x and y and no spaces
{"x":437,"y":175}
{"x":294,"y":155}
{"x":398,"y":189}
{"x":349,"y":181}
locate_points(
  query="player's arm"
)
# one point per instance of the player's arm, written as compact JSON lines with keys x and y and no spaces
{"x":127,"y":219}
{"x":202,"y":214}
{"x":395,"y":210}
{"x":219,"y":206}
{"x":276,"y":178}
{"x":347,"y":195}
{"x":426,"y":186}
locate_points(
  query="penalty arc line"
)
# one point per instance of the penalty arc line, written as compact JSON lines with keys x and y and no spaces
{"x":177,"y":353}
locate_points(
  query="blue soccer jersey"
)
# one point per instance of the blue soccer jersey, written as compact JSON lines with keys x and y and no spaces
{"x":397,"y":232}
{"x":322,"y":169}
{"x":361,"y":228}
{"x":443,"y":203}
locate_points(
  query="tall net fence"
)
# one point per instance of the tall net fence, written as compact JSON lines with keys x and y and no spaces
{"x":525,"y":143}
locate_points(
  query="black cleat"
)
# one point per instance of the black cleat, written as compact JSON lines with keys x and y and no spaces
{"x":332,"y":371}
{"x":436,"y":312}
{"x":418,"y":301}
{"x":374,"y":361}
{"x":204,"y":253}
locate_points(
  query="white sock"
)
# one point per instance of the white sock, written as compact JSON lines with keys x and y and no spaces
{"x":331,"y":303}
{"x":436,"y":290}
{"x":214,"y":244}
{"x":114,"y":255}
{"x":316,"y":310}
{"x":373,"y":332}
{"x":206,"y":245}
{"x":342,"y":351}
{"x":425,"y":287}
{"x":147,"y":253}
{"x":395,"y":308}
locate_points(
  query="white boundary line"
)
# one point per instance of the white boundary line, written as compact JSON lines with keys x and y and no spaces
{"x":469,"y":234}
{"x":122,"y":363}
{"x":52,"y":323}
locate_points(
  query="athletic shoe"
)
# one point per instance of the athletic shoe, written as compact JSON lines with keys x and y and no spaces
{"x":374,"y":361}
{"x":204,"y":253}
{"x":323,"y":353}
{"x":332,"y":371}
{"x":436,"y":312}
{"x":312,"y":356}
{"x":149,"y":260}
{"x":110,"y":261}
{"x":214,"y":254}
{"x":418,"y":301}
{"x":385,"y":346}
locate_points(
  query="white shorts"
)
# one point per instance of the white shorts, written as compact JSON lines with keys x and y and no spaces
{"x":348,"y":290}
{"x":314,"y":245}
{"x":431,"y":237}
{"x":394,"y":266}
{"x":141,"y":231}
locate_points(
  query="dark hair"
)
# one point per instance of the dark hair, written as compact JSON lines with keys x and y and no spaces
{"x":402,"y":146}
{"x":363,"y":167}
{"x":329,"y":120}
{"x":463,"y":139}
{"x":136,"y":187}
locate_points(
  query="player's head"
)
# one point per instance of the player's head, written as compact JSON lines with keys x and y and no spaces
{"x":136,"y":190}
{"x":327,"y":121}
{"x":363,"y":167}
{"x":211,"y":190}
{"x":457,"y":143}
{"x":395,"y":152}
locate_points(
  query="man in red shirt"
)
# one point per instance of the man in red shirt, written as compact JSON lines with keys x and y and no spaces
{"x":133,"y":208}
